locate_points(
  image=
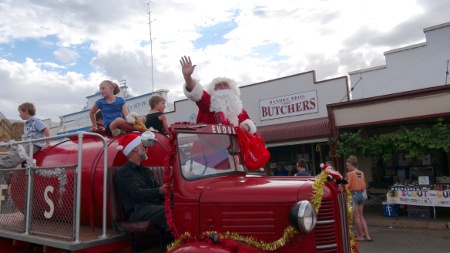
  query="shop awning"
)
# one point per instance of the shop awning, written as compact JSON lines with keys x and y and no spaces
{"x":299,"y":130}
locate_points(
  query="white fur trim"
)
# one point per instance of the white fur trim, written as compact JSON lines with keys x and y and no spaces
{"x":134,"y":143}
{"x":22,"y":152}
{"x":251,"y":124}
{"x":131,"y":117}
{"x":196,"y":93}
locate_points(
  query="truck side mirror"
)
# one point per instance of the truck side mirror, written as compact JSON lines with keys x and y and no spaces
{"x":148,"y":138}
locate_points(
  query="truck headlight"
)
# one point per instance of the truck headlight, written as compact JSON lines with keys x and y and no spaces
{"x":303,"y":216}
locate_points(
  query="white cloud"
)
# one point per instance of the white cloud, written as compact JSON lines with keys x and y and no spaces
{"x":269,"y":39}
{"x":66,"y":55}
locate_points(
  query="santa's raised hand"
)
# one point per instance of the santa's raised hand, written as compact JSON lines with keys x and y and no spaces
{"x":186,"y":66}
{"x":187,"y":69}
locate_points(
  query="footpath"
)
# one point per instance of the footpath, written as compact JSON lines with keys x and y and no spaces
{"x":374,"y":217}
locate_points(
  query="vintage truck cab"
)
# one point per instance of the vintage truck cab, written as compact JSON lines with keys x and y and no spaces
{"x":215,"y":196}
{"x":60,"y":203}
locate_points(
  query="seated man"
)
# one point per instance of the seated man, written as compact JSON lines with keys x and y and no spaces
{"x":140,"y":194}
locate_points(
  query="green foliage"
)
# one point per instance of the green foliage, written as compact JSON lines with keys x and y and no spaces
{"x":413,"y":144}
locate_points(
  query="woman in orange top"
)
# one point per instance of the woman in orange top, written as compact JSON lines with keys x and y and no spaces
{"x":356,"y":185}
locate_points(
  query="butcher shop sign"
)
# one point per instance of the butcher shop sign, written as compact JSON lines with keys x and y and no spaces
{"x":290,"y":105}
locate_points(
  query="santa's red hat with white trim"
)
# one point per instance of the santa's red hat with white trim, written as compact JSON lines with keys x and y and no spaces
{"x":128,"y":142}
{"x":233,"y":86}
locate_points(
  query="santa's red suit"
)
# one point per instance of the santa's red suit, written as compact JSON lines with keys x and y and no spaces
{"x":208,"y":114}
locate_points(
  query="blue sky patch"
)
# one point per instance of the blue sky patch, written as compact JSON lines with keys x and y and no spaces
{"x":43,"y":50}
{"x":214,"y":35}
{"x":270,"y":50}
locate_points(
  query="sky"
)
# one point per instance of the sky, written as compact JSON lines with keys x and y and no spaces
{"x":55,"y":53}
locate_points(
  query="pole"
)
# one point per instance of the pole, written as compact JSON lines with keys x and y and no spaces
{"x":151,"y":41}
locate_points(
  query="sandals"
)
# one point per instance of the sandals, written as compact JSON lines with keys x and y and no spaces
{"x":363,"y":240}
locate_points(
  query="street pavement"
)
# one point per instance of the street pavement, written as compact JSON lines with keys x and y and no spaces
{"x":406,"y":234}
{"x":410,"y":240}
{"x":402,"y":233}
{"x":374,"y":217}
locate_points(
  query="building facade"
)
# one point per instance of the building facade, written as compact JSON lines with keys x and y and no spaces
{"x":410,"y":91}
{"x":290,"y":114}
{"x":298,"y":115}
{"x":413,"y":67}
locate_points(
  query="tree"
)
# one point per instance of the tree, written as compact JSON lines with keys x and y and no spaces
{"x":413,"y":144}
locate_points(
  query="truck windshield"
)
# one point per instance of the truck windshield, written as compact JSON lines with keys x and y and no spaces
{"x":205,"y":155}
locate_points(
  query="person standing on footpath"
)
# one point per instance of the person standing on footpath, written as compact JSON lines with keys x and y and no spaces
{"x":356,"y":185}
{"x":301,"y":168}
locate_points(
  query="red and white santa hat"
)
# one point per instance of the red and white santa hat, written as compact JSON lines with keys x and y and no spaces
{"x":324,"y":166}
{"x":233,"y":86}
{"x":128,"y":142}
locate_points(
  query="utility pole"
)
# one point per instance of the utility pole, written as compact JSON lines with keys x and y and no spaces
{"x":151,"y":41}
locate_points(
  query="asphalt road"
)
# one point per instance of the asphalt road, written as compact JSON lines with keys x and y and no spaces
{"x":396,"y":240}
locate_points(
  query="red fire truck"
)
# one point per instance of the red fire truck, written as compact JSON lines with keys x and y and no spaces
{"x":62,"y":201}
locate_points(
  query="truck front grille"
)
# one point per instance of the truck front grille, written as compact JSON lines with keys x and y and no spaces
{"x":328,"y":229}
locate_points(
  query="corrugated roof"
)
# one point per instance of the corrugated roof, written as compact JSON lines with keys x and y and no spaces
{"x":307,"y":129}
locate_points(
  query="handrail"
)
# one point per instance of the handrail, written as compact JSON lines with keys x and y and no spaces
{"x":80,"y":135}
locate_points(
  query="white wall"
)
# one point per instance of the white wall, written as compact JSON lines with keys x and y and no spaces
{"x":183,"y":111}
{"x":413,"y":67}
{"x":328,"y":91}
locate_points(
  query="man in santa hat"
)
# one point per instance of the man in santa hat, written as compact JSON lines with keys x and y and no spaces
{"x":220,"y":97}
{"x":140,"y":194}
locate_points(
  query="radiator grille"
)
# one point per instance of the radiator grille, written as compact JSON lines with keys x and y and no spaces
{"x":327,"y":231}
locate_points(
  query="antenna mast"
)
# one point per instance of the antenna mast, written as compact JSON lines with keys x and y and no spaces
{"x":151,"y":40}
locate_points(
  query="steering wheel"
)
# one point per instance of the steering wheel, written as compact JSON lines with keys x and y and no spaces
{"x":191,"y":158}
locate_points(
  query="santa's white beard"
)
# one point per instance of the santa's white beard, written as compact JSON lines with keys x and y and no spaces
{"x":228,"y":102}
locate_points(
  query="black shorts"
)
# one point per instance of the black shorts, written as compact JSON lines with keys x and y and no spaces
{"x":108,"y":131}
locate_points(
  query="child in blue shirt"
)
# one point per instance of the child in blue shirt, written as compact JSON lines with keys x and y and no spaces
{"x":33,"y":128}
{"x":114,"y":110}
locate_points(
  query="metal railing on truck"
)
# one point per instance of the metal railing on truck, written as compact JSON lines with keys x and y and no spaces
{"x":21,"y":221}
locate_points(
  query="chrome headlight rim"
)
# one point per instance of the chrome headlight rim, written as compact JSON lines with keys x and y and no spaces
{"x":303,"y":216}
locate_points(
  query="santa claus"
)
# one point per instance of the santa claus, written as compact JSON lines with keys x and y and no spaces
{"x":332,"y":173}
{"x":218,"y":102}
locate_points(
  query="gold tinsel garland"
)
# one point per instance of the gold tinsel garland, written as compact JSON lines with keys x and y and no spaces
{"x":350,"y":220}
{"x":316,"y":199}
{"x":288,"y":233}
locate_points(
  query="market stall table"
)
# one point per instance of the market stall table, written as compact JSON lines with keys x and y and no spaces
{"x":419,"y":197}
